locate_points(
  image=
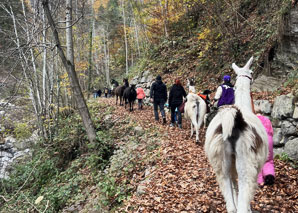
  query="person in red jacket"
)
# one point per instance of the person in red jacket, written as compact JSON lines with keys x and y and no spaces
{"x":140,"y":96}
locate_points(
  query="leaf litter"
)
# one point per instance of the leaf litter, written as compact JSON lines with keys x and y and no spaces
{"x":183,"y":180}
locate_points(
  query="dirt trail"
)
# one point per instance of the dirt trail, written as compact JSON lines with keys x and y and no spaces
{"x":183,"y":180}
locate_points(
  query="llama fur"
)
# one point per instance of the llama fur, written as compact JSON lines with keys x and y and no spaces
{"x":195,"y":109}
{"x":237,"y":146}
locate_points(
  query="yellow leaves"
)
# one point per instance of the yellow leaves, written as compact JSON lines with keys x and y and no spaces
{"x":204,"y":34}
{"x":206,"y":48}
{"x":81,"y":66}
{"x":98,"y":3}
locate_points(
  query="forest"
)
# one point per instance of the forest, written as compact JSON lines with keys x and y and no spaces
{"x":86,"y":154}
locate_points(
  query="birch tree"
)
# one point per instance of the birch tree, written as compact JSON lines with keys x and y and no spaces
{"x":69,"y":65}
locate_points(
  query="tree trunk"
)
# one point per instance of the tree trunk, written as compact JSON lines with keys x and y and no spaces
{"x":70,"y":68}
{"x":90,"y":62}
{"x":125,"y":36}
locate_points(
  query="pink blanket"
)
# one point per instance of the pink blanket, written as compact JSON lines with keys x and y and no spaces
{"x":268,"y":168}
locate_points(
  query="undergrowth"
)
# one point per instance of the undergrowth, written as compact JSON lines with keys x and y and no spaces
{"x":59,"y":170}
{"x":70,"y":172}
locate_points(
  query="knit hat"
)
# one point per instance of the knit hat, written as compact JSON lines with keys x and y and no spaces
{"x":227,"y":78}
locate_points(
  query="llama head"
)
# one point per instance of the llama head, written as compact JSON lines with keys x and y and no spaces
{"x":244,"y":71}
{"x":190,"y":82}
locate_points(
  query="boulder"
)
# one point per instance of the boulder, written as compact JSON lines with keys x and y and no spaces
{"x":148,"y":85}
{"x":295,"y":114}
{"x":288,"y":128}
{"x":134,"y":81}
{"x":263,"y":106}
{"x":261,"y":84}
{"x":283,"y":107}
{"x":278,"y":151}
{"x":277,"y":137}
{"x":291,"y":149}
{"x":147,"y":92}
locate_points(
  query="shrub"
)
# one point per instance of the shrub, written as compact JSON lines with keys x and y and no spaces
{"x":22,"y":131}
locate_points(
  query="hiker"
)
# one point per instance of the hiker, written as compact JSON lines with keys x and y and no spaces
{"x":175,"y":100}
{"x":106,"y":91}
{"x":159,"y":96}
{"x":99,"y":93}
{"x":95,"y":94}
{"x":205,"y":97}
{"x":267,"y":174}
{"x":225,"y":92}
{"x":140,"y":96}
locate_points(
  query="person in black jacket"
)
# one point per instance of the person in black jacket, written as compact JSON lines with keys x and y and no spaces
{"x":159,"y":96}
{"x":175,"y":100}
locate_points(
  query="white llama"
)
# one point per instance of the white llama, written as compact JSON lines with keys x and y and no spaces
{"x":191,"y":86}
{"x":195,"y":110}
{"x":236,"y":145}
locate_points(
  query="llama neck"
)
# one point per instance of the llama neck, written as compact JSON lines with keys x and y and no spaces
{"x":242,"y":93}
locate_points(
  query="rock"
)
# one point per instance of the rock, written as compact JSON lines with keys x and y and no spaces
{"x":285,"y":59}
{"x":143,"y":79}
{"x":278,"y":151}
{"x":107,"y":117}
{"x":295,"y":114}
{"x":150,"y":79}
{"x":263,"y":106}
{"x":134,"y":81}
{"x":10,"y":139}
{"x":291,"y":149}
{"x":277,"y":137}
{"x":283,"y":107}
{"x":148,"y":85}
{"x":4,"y":154}
{"x":146,"y":73}
{"x":287,"y":128}
{"x":147,"y":92}
{"x":276,"y":123}
{"x":261,"y":84}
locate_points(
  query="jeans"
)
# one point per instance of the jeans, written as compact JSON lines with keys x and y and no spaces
{"x":159,"y":104}
{"x":95,"y":95}
{"x":140,"y":101}
{"x":173,"y":108}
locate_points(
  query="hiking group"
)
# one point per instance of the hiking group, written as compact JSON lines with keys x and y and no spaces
{"x":238,"y":138}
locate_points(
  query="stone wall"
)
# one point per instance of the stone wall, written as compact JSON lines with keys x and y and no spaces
{"x":144,"y":80}
{"x":284,"y":116}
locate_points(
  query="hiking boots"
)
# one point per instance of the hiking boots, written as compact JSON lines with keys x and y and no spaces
{"x":164,"y":121}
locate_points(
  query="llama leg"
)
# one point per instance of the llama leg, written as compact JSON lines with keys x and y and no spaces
{"x":247,"y":182}
{"x":191,"y":129}
{"x":205,"y":120}
{"x":234,"y":181}
{"x":225,"y":181}
{"x":197,"y":132}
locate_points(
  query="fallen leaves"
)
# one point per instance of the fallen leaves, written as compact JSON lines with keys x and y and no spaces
{"x":183,"y":180}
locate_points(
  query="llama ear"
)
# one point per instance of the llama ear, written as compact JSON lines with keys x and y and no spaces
{"x":235,"y":68}
{"x":248,"y":64}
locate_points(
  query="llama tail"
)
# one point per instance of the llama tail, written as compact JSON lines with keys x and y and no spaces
{"x":228,"y":122}
{"x":198,"y":111}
